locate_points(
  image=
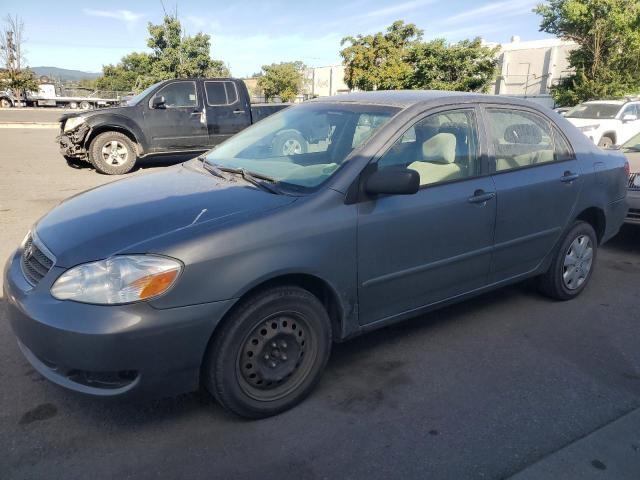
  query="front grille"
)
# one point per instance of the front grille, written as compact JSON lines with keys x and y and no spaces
{"x":35,"y":262}
{"x":632,"y":181}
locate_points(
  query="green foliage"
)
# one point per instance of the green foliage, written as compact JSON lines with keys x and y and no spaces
{"x":381,"y":61}
{"x":607,"y":60}
{"x":20,"y":81}
{"x":172,"y":56}
{"x":284,"y":80}
{"x":400,"y":59}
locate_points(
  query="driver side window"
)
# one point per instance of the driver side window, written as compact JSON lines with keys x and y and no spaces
{"x":178,"y":94}
{"x":442,"y":147}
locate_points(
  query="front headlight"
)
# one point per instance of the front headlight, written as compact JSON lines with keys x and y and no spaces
{"x":588,"y":128}
{"x":73,"y":123}
{"x":119,"y":279}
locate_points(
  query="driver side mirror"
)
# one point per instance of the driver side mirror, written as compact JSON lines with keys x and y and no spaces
{"x":629,"y":117}
{"x":391,"y":181}
{"x":158,"y":102}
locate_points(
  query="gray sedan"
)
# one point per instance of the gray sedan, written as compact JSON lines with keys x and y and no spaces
{"x":237,"y":270}
{"x":631,"y":149}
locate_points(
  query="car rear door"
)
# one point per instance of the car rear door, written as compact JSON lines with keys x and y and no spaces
{"x":178,"y":124}
{"x":416,"y":250}
{"x":227,"y":111}
{"x":537,"y":180}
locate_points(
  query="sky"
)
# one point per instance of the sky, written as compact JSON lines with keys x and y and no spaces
{"x":85,"y":35}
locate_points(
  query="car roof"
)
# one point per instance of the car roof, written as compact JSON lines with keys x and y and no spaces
{"x":606,"y":102}
{"x":408,"y":98}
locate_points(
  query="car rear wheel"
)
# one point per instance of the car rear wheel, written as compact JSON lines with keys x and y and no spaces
{"x":112,"y":153}
{"x":572,"y":264}
{"x":5,"y":103}
{"x":270,"y":353}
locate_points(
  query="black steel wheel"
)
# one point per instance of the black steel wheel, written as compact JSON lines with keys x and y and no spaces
{"x":270,"y":352}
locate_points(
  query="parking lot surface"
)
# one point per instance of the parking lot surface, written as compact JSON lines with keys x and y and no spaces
{"x":477,"y":390}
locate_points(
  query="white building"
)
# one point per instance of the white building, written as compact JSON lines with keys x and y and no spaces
{"x":325,"y":81}
{"x":529,"y":69}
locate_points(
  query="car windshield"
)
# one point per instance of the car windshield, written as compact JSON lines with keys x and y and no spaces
{"x":302,"y":146}
{"x":632,"y":145}
{"x":137,"y":98}
{"x":594,"y":110}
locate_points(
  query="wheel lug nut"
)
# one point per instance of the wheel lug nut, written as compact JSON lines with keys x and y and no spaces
{"x":273,"y":364}
{"x":266,"y":356}
{"x":284,"y":357}
{"x":283,"y":344}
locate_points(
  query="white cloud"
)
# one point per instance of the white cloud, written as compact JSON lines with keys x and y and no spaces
{"x":126,"y":16}
{"x":399,"y":8}
{"x":494,"y":10}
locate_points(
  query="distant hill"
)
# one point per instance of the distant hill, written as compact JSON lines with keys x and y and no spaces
{"x":64,"y":74}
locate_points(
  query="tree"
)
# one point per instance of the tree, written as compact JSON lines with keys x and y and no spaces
{"x":607,"y":60}
{"x":400,"y":59}
{"x":20,"y":80}
{"x":380,"y":61}
{"x":284,"y":80}
{"x":173,"y":55}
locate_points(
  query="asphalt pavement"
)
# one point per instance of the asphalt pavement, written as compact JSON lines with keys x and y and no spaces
{"x":483,"y":389}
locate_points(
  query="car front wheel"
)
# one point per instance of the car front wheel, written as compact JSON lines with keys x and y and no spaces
{"x":572,"y":264}
{"x":270,"y":353}
{"x":112,"y":153}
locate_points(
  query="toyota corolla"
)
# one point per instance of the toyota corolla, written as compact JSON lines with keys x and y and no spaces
{"x":236,"y":271}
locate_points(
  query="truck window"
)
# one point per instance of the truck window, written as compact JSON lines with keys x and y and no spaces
{"x":178,"y":94}
{"x":220,"y":92}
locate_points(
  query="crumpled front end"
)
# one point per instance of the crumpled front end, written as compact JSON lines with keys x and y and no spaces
{"x":73,"y":143}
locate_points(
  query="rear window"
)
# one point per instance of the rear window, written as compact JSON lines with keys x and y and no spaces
{"x":220,"y":92}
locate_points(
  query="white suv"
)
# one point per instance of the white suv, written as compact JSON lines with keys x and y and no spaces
{"x":607,"y":122}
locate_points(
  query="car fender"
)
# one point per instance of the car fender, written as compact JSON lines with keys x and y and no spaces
{"x":113,"y":122}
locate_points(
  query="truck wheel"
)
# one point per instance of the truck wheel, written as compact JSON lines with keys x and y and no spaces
{"x":112,"y":153}
{"x":289,"y":143}
{"x":269,"y":354}
{"x":572,"y":264}
{"x":5,"y":103}
{"x":605,"y":142}
{"x":73,"y":105}
{"x":84,"y":105}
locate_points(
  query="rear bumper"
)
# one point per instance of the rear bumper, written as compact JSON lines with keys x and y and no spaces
{"x":633,"y":198}
{"x":108,"y":351}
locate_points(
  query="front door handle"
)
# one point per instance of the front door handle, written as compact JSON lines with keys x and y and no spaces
{"x":237,"y":112}
{"x":480,"y":196}
{"x":569,"y":177}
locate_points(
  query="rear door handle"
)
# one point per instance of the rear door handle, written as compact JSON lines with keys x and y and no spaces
{"x":237,"y":112}
{"x":569,"y":177}
{"x":480,"y":196}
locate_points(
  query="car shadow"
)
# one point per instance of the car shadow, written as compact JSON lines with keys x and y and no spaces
{"x":626,"y":241}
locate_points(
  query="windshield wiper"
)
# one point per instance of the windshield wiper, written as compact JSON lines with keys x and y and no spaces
{"x":258,"y":179}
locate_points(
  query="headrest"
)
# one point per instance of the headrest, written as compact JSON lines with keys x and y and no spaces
{"x":523,"y":133}
{"x":441,"y":148}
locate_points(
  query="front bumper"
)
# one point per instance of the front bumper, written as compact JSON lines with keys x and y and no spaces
{"x":110,"y":351}
{"x":72,"y":143}
{"x":633,"y":198}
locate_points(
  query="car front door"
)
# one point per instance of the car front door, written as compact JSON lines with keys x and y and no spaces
{"x":177,"y":122}
{"x":537,"y":179}
{"x":226,"y":112}
{"x":630,"y":126}
{"x":416,"y":250}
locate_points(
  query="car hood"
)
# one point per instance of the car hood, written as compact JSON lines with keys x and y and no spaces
{"x":104,"y":221}
{"x":99,"y":111}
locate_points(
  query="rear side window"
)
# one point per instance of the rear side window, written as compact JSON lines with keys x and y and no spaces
{"x":220,"y":92}
{"x":563,"y":150}
{"x":520,"y":139}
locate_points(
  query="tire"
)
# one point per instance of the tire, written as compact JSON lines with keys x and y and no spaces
{"x":605,"y":142}
{"x":251,"y":377}
{"x":289,"y":143}
{"x":5,"y":103}
{"x":576,"y":253}
{"x":73,"y":105}
{"x":112,"y":153}
{"x":84,"y":105}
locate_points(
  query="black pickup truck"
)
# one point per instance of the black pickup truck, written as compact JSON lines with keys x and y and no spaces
{"x":172,"y":116}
